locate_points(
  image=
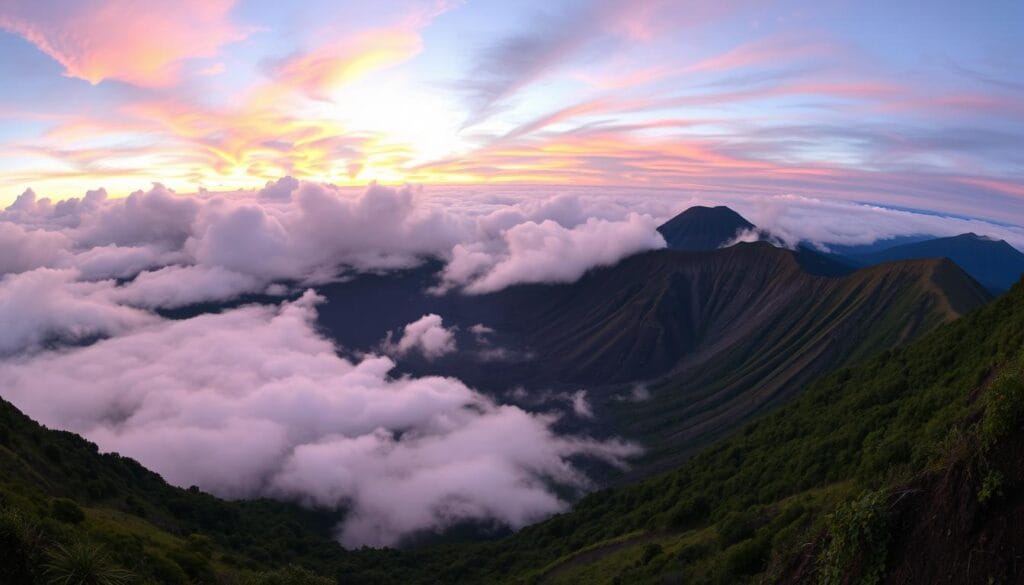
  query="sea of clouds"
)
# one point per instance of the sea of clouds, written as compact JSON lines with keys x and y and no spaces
{"x":255,"y":401}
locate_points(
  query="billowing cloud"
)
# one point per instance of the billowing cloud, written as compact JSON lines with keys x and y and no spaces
{"x":533,"y":252}
{"x":27,"y":249}
{"x":253,"y":401}
{"x":46,"y":304}
{"x":426,"y":335}
{"x":179,"y":286}
{"x":119,"y":39}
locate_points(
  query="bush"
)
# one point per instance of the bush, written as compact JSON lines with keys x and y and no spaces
{"x":21,"y":547}
{"x":735,"y":527}
{"x":688,"y":512}
{"x":747,"y":557}
{"x":198,"y":569}
{"x":84,"y":564}
{"x":291,"y":575}
{"x":860,"y":536}
{"x":66,"y":511}
{"x":651,"y":550}
{"x":991,"y":487}
{"x":1004,"y":405}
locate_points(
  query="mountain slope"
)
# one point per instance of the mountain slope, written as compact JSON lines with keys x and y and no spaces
{"x":790,"y":331}
{"x":56,"y":490}
{"x":702,"y":228}
{"x":994,"y":263}
{"x":717,"y":336}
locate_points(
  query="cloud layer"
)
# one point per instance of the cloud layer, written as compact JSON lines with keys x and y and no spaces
{"x":254,"y":402}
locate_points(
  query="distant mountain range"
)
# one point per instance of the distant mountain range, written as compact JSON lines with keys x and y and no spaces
{"x":994,"y":263}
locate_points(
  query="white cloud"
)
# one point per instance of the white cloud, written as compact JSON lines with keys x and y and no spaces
{"x":549,"y":252}
{"x":22,"y":249}
{"x":253,"y":401}
{"x":580,"y":405}
{"x":179,"y":286}
{"x":47,"y":304}
{"x":426,"y":335}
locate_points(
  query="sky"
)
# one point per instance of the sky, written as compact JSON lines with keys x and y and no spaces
{"x":908,"y":104}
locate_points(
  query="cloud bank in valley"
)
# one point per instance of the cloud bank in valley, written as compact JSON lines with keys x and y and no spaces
{"x":253,"y":401}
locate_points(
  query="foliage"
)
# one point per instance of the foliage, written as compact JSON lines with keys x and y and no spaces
{"x":21,"y":547}
{"x":66,"y":511}
{"x":82,"y":563}
{"x":991,"y":486}
{"x":1004,"y":404}
{"x":859,"y":534}
{"x":290,"y":575}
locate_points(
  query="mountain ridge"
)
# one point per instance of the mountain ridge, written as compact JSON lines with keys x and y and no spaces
{"x":994,"y":263}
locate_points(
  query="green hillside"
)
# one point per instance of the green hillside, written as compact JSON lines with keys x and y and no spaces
{"x":57,"y":491}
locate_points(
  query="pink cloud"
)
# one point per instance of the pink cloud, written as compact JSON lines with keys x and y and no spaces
{"x":329,"y":66}
{"x":121,"y":39}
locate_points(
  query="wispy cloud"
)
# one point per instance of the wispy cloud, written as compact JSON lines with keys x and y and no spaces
{"x":123,"y":40}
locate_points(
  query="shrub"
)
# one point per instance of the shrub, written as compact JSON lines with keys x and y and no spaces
{"x":66,"y":511}
{"x":747,"y":557}
{"x":290,"y":575}
{"x":735,"y":527}
{"x":651,"y":550}
{"x":991,"y":486}
{"x":83,"y":564}
{"x":688,"y":512}
{"x":860,"y":535}
{"x":21,"y":547}
{"x":1004,"y":405}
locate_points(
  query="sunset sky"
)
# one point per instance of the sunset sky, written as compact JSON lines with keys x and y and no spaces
{"x":909,"y":104}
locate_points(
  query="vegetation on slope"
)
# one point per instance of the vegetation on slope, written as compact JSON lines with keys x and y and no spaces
{"x":67,"y":512}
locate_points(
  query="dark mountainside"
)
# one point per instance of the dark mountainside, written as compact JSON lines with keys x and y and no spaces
{"x":650,"y":313}
{"x":901,"y":469}
{"x":702,"y":228}
{"x":718,"y":336}
{"x":994,"y":263}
